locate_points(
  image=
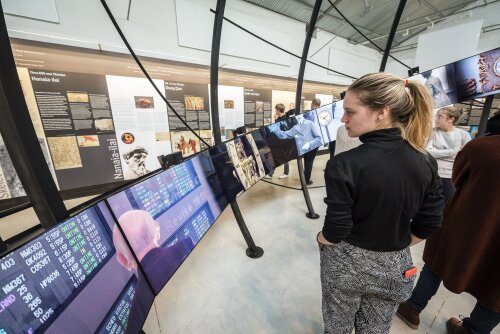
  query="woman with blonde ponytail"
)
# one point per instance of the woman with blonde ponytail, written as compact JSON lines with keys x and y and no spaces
{"x":382,"y":197}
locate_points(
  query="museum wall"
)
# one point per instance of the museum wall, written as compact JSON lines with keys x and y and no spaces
{"x":488,"y":38}
{"x":154,"y":30}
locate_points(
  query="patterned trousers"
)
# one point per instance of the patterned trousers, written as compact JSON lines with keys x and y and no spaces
{"x":362,"y":288}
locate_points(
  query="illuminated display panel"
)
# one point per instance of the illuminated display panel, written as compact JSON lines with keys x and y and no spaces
{"x":188,"y":199}
{"x":330,"y":120}
{"x":60,"y":281}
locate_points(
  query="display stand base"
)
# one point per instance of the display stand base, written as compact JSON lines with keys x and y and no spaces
{"x":315,"y":216}
{"x":255,"y":253}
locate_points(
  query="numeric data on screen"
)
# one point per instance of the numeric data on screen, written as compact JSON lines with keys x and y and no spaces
{"x":160,"y":192}
{"x":39,"y":277}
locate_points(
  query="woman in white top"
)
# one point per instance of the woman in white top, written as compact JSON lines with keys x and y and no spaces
{"x":344,"y":142}
{"x":445,"y":143}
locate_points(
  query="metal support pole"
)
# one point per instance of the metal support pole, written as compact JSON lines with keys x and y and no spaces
{"x":484,"y":115}
{"x":3,"y":246}
{"x":394,"y":27}
{"x":300,"y":80}
{"x":252,"y":251}
{"x":22,"y":143}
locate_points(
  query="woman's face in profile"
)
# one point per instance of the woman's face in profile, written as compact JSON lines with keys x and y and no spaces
{"x":443,"y":121}
{"x":358,"y":118}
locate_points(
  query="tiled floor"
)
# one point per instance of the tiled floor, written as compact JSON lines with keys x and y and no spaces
{"x":219,"y":289}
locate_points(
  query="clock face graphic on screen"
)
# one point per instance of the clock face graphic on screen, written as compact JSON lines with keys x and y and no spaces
{"x":325,"y":117}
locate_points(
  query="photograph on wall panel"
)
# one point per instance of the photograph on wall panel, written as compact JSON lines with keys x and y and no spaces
{"x":165,"y":215}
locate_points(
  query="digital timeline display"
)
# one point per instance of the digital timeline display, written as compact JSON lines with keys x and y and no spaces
{"x":117,"y":319}
{"x":187,"y":199}
{"x":38,"y":278}
{"x":160,"y":192}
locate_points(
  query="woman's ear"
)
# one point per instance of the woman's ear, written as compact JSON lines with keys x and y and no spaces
{"x":382,"y":113}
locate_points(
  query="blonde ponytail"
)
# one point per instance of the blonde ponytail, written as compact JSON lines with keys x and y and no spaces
{"x":409,"y":103}
{"x":418,"y":129}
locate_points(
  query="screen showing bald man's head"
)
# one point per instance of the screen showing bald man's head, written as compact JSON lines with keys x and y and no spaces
{"x":142,"y":232}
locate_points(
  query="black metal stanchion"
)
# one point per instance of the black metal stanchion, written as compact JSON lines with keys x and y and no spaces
{"x":252,"y":251}
{"x":3,"y":246}
{"x":300,"y":80}
{"x":484,"y":115}
{"x":394,"y":27}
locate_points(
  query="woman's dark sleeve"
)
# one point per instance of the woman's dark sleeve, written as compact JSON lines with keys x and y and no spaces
{"x":430,"y":216}
{"x":339,"y":201}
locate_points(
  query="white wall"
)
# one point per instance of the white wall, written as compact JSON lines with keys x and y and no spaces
{"x":152,"y":31}
{"x":487,"y":41}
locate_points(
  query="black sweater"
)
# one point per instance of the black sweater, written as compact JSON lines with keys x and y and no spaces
{"x":381,"y":192}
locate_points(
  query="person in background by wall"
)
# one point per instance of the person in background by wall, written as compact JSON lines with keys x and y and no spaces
{"x":445,"y":143}
{"x":464,"y":253}
{"x":279,"y":115}
{"x":344,"y":142}
{"x":382,"y":197}
{"x":493,"y":125}
{"x":311,"y":155}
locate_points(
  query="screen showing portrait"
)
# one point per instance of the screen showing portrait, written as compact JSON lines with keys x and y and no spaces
{"x":304,"y":129}
{"x":164,"y":216}
{"x":282,"y":149}
{"x":441,"y":84}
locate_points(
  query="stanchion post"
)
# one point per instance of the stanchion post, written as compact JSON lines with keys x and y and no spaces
{"x":394,"y":27}
{"x":252,"y":251}
{"x":3,"y":246}
{"x":300,"y":80}
{"x":484,"y":115}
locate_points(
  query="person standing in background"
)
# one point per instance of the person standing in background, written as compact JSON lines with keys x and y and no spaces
{"x":344,"y":142}
{"x":311,"y":155}
{"x":464,"y":253}
{"x":445,"y":143}
{"x":280,"y":115}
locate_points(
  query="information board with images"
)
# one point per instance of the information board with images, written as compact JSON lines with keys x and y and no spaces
{"x":76,"y":117}
{"x":258,"y":108}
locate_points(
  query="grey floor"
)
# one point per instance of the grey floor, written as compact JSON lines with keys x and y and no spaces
{"x":219,"y":289}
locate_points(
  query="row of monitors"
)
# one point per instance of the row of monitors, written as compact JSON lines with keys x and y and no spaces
{"x":100,"y":270}
{"x":467,"y":79}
